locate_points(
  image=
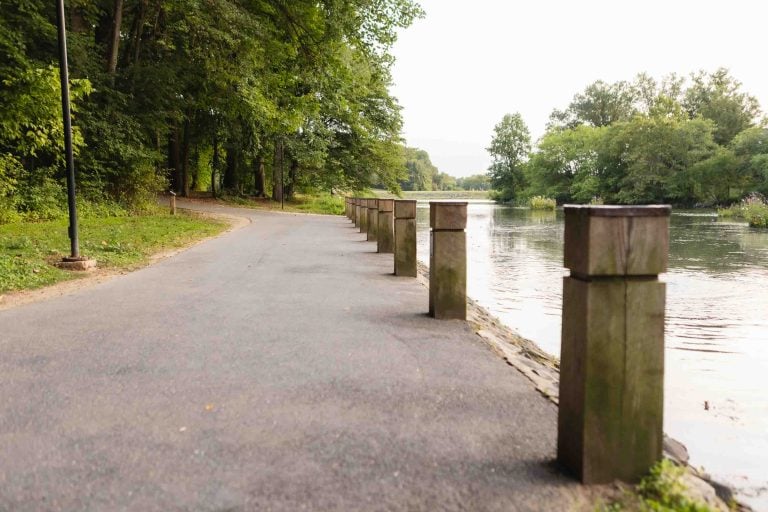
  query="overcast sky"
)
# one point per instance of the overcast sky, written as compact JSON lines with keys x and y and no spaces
{"x":465,"y":65}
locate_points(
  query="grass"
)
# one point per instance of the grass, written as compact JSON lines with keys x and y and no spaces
{"x":663,"y":490}
{"x":29,"y":249}
{"x":753,"y":209}
{"x":323,"y":203}
{"x":542,"y":203}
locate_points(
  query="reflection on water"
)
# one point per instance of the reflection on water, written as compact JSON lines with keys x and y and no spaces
{"x":716,"y":330}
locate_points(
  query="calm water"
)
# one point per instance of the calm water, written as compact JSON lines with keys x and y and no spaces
{"x":716,"y":332}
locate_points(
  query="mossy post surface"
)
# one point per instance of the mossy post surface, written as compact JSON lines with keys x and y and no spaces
{"x":448,"y":260}
{"x":385,"y":236}
{"x":373,"y":219}
{"x":610,"y":416}
{"x":405,"y":238}
{"x":363,"y":216}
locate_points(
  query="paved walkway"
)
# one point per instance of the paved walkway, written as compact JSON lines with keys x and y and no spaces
{"x":278,"y":367}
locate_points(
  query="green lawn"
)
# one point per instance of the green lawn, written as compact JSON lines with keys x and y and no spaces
{"x":323,"y":203}
{"x":29,"y":249}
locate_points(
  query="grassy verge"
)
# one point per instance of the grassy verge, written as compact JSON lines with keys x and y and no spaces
{"x":29,"y":249}
{"x":324,"y":204}
{"x":663,"y":490}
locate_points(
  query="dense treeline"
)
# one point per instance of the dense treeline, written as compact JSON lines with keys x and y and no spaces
{"x":222,"y":95}
{"x":688,"y":142}
{"x":423,"y":175}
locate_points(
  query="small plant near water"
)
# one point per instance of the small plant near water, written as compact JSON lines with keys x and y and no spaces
{"x":663,"y":490}
{"x":542,"y":203}
{"x":752,"y":208}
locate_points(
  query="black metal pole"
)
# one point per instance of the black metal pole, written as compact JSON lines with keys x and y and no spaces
{"x":282,"y":175}
{"x":64,"y":75}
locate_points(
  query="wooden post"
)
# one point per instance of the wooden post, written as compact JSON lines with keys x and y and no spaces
{"x":356,"y":214}
{"x":612,"y":358}
{"x":173,"y":203}
{"x":405,"y":238}
{"x":385,"y":237}
{"x":373,"y":219}
{"x":346,"y":208}
{"x":448,"y":260}
{"x":364,"y":216}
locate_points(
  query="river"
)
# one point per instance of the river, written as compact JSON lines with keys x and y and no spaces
{"x":716,"y":359}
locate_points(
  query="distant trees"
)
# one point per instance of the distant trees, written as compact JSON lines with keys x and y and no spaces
{"x":686,"y":142}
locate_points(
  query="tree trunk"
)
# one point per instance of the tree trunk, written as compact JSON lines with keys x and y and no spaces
{"x":277,"y":172}
{"x":230,"y":171}
{"x":114,"y":39}
{"x":258,"y":177}
{"x":290,"y":186}
{"x":174,"y":159}
{"x":185,"y":160}
{"x":214,"y":163}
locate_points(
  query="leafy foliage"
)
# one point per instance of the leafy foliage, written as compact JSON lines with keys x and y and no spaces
{"x":697,"y":143}
{"x":234,"y":95}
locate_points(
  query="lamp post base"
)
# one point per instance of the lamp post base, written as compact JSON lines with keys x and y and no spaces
{"x":77,"y":264}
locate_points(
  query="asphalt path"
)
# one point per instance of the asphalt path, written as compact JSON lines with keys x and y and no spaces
{"x":280,"y":366}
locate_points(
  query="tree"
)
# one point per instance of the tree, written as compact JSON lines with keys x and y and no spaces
{"x":474,"y":182}
{"x":717,"y":96}
{"x":509,"y":150}
{"x":600,"y":104}
{"x":564,"y":165}
{"x":421,"y":171}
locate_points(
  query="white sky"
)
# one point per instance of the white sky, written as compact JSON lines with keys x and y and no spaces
{"x":465,"y":65}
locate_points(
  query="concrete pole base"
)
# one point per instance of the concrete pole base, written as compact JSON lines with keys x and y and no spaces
{"x":81,"y":264}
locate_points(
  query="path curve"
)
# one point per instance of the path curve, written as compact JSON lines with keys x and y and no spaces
{"x":278,"y":367}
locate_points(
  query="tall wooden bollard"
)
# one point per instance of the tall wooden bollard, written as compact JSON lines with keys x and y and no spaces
{"x":373,"y":219}
{"x":448,"y":260}
{"x":173,"y":202}
{"x":385,"y":236}
{"x":364,"y":216}
{"x":405,"y":238}
{"x":356,"y":214}
{"x":612,"y":357}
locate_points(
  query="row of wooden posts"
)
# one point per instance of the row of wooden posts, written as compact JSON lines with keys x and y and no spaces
{"x":610,"y":417}
{"x":392,"y":225}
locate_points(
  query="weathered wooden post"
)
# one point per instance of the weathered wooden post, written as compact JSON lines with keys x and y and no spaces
{"x":373,"y":219}
{"x":612,"y":358}
{"x":356,"y":210}
{"x":173,"y":202}
{"x":405,"y":238}
{"x":385,"y":236}
{"x":364,"y":216}
{"x":448,"y":260}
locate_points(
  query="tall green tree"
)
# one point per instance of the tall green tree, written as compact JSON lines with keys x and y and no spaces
{"x":509,"y":150}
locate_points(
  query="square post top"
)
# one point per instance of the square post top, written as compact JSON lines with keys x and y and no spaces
{"x":616,"y":240}
{"x":447,"y":215}
{"x":405,"y":209}
{"x":386,"y":205}
{"x":373,"y":204}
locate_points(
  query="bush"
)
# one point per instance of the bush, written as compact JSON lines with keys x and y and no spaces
{"x":542,"y":203}
{"x":752,"y":208}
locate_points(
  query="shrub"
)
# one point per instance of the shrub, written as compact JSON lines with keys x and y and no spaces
{"x":752,"y":208}
{"x":542,"y":203}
